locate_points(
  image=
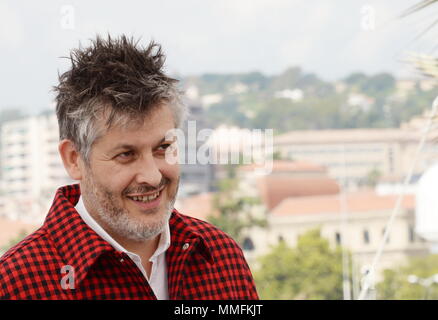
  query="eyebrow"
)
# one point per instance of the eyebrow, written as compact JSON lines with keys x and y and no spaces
{"x":131,"y":146}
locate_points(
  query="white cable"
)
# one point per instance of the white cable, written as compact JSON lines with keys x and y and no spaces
{"x":370,"y":275}
{"x":344,"y":220}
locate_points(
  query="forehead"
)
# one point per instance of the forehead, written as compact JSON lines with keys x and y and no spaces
{"x":138,"y":130}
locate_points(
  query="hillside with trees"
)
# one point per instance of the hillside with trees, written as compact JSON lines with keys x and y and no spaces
{"x":296,"y":100}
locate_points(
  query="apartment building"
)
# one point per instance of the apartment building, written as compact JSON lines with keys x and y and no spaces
{"x":196,"y":178}
{"x":31,"y":166}
{"x":353,"y":154}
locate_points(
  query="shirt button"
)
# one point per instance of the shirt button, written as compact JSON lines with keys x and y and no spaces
{"x":186,"y":246}
{"x":122,"y":260}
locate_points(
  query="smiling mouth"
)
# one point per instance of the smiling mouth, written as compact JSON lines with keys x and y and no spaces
{"x":147,"y":198}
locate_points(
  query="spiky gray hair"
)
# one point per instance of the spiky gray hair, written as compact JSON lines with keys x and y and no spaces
{"x":112,"y":79}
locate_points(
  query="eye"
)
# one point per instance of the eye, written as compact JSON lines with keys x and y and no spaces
{"x":164,"y":146}
{"x":162,"y":149}
{"x":125,"y":155}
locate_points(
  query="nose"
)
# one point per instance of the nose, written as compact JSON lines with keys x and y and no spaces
{"x":148,"y":172}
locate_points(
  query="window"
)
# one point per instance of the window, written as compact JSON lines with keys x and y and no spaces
{"x":391,"y":159}
{"x":411,"y":234}
{"x":366,"y":237}
{"x":338,"y":238}
{"x":248,"y":244}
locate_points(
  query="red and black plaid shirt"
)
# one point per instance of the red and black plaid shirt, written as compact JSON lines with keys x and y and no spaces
{"x":202,"y":261}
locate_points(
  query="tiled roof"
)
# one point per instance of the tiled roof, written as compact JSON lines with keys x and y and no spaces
{"x":346,"y":135}
{"x":288,"y":166}
{"x":356,"y":202}
{"x":274,"y":189}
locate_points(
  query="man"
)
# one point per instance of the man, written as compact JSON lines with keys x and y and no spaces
{"x":116,"y":235}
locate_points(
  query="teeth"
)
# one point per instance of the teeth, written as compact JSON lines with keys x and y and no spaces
{"x":146,"y":198}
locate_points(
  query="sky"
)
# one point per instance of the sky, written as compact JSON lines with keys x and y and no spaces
{"x":330,"y":38}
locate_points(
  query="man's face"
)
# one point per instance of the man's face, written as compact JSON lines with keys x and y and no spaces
{"x":129,"y":187}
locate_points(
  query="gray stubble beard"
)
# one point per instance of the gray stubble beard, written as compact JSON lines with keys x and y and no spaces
{"x":119,"y":220}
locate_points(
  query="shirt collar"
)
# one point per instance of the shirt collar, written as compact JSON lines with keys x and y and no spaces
{"x":163,"y":244}
{"x":187,"y":231}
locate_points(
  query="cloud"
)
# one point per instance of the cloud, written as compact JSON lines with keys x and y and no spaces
{"x":203,"y":36}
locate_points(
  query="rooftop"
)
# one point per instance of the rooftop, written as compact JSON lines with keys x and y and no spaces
{"x":199,"y":206}
{"x":356,"y":202}
{"x":287,"y":166}
{"x":347,"y":135}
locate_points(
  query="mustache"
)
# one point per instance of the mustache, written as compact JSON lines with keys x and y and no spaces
{"x":147,"y":188}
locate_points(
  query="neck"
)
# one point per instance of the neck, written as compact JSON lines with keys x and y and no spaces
{"x":145,"y":249}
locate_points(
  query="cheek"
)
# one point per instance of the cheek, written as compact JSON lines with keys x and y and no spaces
{"x":115,"y":180}
{"x":170,"y":171}
{"x":175,"y":171}
{"x":174,"y":180}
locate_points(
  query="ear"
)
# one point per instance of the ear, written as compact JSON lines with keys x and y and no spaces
{"x":71,"y":159}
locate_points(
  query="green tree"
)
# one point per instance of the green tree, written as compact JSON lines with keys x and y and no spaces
{"x":415,"y":104}
{"x":311,"y":270}
{"x":380,"y":84}
{"x":278,"y":156}
{"x":373,"y":177}
{"x":321,"y":107}
{"x":286,"y":80}
{"x":395,"y":284}
{"x":356,"y":79}
{"x":235,"y":213}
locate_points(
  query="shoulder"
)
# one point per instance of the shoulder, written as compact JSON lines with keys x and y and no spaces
{"x":24,"y":248}
{"x":21,"y":265}
{"x":229,"y":265}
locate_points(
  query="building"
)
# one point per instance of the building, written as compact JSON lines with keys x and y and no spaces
{"x":287,"y":179}
{"x":299,"y":196}
{"x":196,"y":178}
{"x":351,"y":155}
{"x":199,"y":206}
{"x":360,"y":228}
{"x":31,"y":166}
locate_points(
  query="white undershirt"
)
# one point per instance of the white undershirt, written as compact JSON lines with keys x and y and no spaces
{"x":158,"y":279}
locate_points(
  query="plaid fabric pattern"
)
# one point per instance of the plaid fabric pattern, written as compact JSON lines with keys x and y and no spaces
{"x":202,"y":261}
